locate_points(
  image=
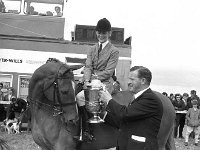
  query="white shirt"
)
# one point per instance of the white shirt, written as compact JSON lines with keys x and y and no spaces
{"x":140,"y":93}
{"x":104,"y":44}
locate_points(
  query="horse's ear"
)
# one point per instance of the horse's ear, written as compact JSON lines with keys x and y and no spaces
{"x":75,"y":67}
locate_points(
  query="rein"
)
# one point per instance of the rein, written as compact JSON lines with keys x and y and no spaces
{"x":48,"y":107}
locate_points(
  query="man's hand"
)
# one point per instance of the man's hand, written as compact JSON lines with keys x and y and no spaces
{"x":105,"y":96}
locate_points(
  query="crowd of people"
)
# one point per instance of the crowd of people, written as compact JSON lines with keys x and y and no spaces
{"x":187,"y":109}
{"x":31,"y":10}
{"x":58,"y":13}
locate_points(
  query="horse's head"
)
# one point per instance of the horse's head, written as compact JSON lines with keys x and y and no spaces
{"x":57,"y":88}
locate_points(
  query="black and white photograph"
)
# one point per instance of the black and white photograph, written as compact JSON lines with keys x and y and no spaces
{"x":99,"y":75}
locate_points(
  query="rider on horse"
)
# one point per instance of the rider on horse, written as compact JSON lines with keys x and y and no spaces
{"x":101,"y":60}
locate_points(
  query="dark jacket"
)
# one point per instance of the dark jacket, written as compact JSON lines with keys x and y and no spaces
{"x":18,"y":106}
{"x":179,"y":105}
{"x":141,"y":118}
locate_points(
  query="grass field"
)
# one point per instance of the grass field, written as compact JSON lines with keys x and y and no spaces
{"x":24,"y":141}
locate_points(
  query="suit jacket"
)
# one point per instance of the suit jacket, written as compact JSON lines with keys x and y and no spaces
{"x":141,"y":118}
{"x":103,"y":64}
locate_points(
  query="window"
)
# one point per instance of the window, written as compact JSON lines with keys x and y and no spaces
{"x":44,"y":7}
{"x":11,"y":6}
{"x":7,"y":80}
{"x":23,"y":81}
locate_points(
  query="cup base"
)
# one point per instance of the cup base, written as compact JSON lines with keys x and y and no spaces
{"x":95,"y":119}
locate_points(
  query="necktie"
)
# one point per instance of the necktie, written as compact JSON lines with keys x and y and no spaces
{"x":100,"y":48}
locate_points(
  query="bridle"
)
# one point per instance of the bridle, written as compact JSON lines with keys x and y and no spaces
{"x":56,"y":91}
{"x":56,"y":106}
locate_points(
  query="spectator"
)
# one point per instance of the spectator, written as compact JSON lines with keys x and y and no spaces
{"x":32,"y":11}
{"x":193,"y":122}
{"x":164,"y":93}
{"x":185,"y":99}
{"x":10,"y":95}
{"x":2,"y":7}
{"x":49,"y":13}
{"x":58,"y":11}
{"x":172,"y":98}
{"x":182,"y":115}
{"x":18,"y":106}
{"x":179,"y":106}
{"x":193,"y":96}
{"x":15,"y":109}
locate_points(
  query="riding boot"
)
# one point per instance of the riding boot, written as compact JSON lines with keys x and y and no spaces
{"x":87,"y":133}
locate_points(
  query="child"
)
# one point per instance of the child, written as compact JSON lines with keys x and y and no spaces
{"x":193,"y":122}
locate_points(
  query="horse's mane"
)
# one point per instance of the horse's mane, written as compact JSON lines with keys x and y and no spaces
{"x":52,"y":60}
{"x":47,"y":70}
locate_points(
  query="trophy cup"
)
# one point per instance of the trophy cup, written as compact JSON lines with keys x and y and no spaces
{"x":92,"y":102}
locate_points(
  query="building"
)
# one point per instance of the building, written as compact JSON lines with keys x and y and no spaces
{"x":27,"y":40}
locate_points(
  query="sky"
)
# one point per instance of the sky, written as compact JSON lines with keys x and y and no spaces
{"x":165,"y":36}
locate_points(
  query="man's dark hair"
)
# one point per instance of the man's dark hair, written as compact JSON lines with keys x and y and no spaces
{"x":178,"y":95}
{"x":185,"y":94}
{"x":143,"y":72}
{"x":165,"y":93}
{"x":193,"y":92}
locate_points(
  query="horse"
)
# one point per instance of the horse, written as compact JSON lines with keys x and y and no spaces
{"x":54,"y":113}
{"x":106,"y":134}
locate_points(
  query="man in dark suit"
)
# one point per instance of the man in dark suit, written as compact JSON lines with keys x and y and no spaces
{"x":139,"y":121}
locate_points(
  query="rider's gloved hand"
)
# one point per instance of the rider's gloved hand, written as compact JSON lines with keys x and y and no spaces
{"x":80,"y":98}
{"x":86,"y":84}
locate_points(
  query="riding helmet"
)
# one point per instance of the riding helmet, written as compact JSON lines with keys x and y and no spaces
{"x":103,"y":25}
